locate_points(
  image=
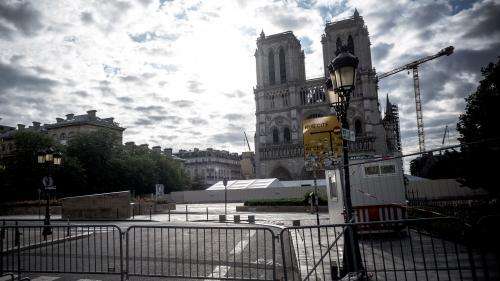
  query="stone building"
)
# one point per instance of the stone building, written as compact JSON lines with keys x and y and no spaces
{"x":65,"y":129}
{"x":209,"y":166}
{"x":284,"y":98}
{"x":61,"y":131}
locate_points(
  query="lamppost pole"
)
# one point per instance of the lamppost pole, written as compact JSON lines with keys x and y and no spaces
{"x":49,"y":158}
{"x":340,"y":86}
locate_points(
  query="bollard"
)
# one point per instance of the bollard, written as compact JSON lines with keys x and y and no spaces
{"x":222,"y":218}
{"x":236,"y":218}
{"x":296,"y":222}
{"x":251,"y":219}
{"x":169,"y":214}
{"x":334,"y":270}
{"x":68,"y":232}
{"x":187,"y":219}
{"x":150,"y":213}
{"x":207,"y":213}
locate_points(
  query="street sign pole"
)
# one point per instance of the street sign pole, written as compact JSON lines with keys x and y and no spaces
{"x":224,"y":182}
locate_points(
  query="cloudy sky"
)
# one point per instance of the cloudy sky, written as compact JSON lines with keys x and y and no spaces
{"x":181,"y":73}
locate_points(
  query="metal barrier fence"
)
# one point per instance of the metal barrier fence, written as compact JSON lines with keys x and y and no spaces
{"x":233,"y":253}
{"x":413,"y":249}
{"x":85,"y":249}
{"x":391,"y":250}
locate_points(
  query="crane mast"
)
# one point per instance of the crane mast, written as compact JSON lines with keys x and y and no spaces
{"x":416,"y":88}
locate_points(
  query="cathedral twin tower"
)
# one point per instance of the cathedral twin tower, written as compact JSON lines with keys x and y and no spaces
{"x":284,"y":98}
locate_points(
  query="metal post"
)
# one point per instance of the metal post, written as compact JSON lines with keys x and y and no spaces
{"x":207,"y":213}
{"x":47,"y":230}
{"x":315,"y":197}
{"x":187,"y":213}
{"x":352,"y":255}
{"x":168,"y":214}
{"x":225,"y":200}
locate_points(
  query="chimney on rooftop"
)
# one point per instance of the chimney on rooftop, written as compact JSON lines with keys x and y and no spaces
{"x":20,"y":127}
{"x":130,"y":143}
{"x":70,"y":116}
{"x":59,"y":120}
{"x":156,"y":149}
{"x":92,"y":113}
{"x":36,"y":124}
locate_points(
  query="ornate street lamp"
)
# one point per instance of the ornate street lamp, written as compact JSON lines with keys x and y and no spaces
{"x":48,"y":157}
{"x":340,"y":86}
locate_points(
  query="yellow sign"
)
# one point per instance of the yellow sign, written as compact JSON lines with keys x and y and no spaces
{"x":321,"y":135}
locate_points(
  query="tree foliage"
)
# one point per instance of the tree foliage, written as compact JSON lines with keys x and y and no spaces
{"x":93,"y":162}
{"x":480,"y":132}
{"x":475,"y":164}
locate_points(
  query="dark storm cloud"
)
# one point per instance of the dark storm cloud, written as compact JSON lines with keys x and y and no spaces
{"x":194,"y":87}
{"x":156,"y":119}
{"x":306,"y":43}
{"x":143,"y":122}
{"x":5,"y":32}
{"x":328,"y":12}
{"x":487,"y":23}
{"x":13,"y":78}
{"x":282,"y":18}
{"x":380,"y":51}
{"x":182,"y":103}
{"x":229,"y":137}
{"x":197,"y":121}
{"x":151,"y":108}
{"x":87,"y":17}
{"x":168,"y":138}
{"x":82,"y":94}
{"x":22,"y":16}
{"x":234,"y":116}
{"x":125,"y":99}
{"x":104,"y":87}
{"x":132,"y":79}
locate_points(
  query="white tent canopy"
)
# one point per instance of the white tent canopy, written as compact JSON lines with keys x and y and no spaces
{"x":265,"y":183}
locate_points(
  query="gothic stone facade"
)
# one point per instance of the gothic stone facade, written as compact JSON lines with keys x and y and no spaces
{"x":284,"y":98}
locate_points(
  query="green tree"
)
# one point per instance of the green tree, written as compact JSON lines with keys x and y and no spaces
{"x":480,"y":123}
{"x":21,"y":174}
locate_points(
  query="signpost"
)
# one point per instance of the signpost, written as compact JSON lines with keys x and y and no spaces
{"x":224,"y":182}
{"x":348,"y":135}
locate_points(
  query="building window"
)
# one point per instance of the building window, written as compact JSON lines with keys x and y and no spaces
{"x":350,"y":45}
{"x":339,"y":46}
{"x":282,"y":65}
{"x":387,"y":169}
{"x":358,"y":128}
{"x":276,"y":137}
{"x":286,"y":134}
{"x":270,"y":61}
{"x":372,"y":170}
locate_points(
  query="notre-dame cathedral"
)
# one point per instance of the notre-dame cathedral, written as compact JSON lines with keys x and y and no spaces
{"x":284,"y":98}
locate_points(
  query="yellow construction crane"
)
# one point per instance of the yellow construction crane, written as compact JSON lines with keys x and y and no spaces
{"x":416,"y":87}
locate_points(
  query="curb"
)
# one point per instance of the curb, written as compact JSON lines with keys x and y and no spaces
{"x":47,"y":243}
